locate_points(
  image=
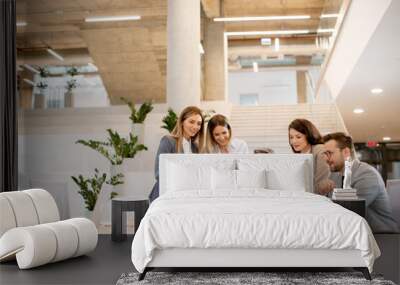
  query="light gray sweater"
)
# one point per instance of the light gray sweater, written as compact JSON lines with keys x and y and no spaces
{"x":370,"y":186}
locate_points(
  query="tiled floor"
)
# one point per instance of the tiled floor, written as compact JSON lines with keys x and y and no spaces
{"x":102,"y":266}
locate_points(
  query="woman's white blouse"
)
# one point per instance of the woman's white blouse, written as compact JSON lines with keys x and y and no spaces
{"x":187,"y":146}
{"x":237,"y":146}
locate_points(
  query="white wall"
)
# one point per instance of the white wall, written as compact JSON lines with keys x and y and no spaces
{"x":90,"y":91}
{"x":48,"y":154}
{"x":274,"y":87}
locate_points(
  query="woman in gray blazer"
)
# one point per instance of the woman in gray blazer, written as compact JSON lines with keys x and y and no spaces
{"x":304,"y":137}
{"x":187,"y":137}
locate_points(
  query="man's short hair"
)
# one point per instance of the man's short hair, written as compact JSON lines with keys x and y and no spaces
{"x":341,"y":139}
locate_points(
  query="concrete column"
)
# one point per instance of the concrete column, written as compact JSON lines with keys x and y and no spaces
{"x":214,"y":61}
{"x":301,"y":86}
{"x":183,"y":56}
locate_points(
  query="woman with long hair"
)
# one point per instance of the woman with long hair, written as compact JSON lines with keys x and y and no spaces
{"x":219,"y":137}
{"x":186,"y":137}
{"x":304,"y":137}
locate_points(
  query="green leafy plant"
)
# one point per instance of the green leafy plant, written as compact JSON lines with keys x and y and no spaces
{"x":72,"y":71}
{"x":90,"y":188}
{"x":169,"y":120}
{"x":71,"y":84}
{"x":43,"y":71}
{"x":42,"y":85}
{"x":138,"y":116}
{"x":116,"y":148}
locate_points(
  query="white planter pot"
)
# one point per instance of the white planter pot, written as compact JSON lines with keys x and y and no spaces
{"x":68,"y":99}
{"x":138,"y":130}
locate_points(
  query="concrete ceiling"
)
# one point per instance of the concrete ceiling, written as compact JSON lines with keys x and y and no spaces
{"x":131,"y":56}
{"x":377,"y":67}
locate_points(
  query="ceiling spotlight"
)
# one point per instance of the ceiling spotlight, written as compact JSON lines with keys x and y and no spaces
{"x":56,"y":55}
{"x":376,"y":91}
{"x":255,"y":66}
{"x":262,"y":18}
{"x":112,"y":18}
{"x":358,"y":111}
{"x":386,"y":139}
{"x":30,"y":68}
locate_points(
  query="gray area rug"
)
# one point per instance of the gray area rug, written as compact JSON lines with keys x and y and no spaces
{"x":225,"y":278}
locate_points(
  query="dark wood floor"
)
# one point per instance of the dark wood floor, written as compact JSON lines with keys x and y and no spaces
{"x":102,"y":266}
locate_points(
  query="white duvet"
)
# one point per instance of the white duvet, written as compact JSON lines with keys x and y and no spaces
{"x":250,"y":219}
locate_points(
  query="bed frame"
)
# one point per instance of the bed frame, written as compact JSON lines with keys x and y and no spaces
{"x":240,"y":259}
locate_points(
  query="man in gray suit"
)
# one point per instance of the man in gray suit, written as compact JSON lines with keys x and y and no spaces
{"x":365,"y":179}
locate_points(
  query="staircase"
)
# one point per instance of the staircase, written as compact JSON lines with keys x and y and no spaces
{"x":267,"y":126}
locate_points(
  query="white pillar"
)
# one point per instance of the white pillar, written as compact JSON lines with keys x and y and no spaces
{"x":183,"y":56}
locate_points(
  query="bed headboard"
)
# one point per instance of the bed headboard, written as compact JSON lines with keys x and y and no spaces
{"x":285,"y":170}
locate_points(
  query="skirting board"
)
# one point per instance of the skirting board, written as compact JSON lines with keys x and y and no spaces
{"x":177,"y":257}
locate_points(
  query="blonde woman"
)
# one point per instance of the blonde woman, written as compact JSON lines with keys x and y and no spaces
{"x":187,"y":137}
{"x":219,"y":137}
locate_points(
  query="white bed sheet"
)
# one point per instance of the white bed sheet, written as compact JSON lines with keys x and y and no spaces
{"x":252,"y":218}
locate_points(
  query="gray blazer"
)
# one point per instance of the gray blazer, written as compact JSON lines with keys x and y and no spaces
{"x":370,"y":186}
{"x":321,"y":167}
{"x":167,"y":145}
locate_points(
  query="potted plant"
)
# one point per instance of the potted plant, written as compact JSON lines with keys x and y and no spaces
{"x":169,"y":120}
{"x":71,"y":85}
{"x":138,"y":116}
{"x":90,"y":189}
{"x":116,"y":149}
{"x":40,"y":98}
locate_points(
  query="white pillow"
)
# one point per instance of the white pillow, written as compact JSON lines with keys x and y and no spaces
{"x":223,"y":179}
{"x":251,"y":178}
{"x":183,"y":177}
{"x":293,"y":180}
{"x":281,"y":173}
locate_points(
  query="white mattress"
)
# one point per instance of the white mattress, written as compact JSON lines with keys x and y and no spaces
{"x":256,"y":218}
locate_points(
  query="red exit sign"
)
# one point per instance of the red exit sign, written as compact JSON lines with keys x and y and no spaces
{"x":372,"y":143}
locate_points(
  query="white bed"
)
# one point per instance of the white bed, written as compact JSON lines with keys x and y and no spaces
{"x":247,"y":211}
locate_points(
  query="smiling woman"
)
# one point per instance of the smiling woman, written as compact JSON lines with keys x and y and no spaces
{"x":187,"y":137}
{"x":304,"y":137}
{"x":219,"y":137}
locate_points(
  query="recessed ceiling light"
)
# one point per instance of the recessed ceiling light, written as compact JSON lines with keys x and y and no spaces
{"x":262,"y":18}
{"x":376,"y":91}
{"x":325,"y":30}
{"x":329,"y":16}
{"x":30,"y":82}
{"x":30,"y":68}
{"x":112,"y":18}
{"x":386,"y":138}
{"x":358,"y":111}
{"x":257,"y":33}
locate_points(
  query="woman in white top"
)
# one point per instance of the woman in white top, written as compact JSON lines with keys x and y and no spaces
{"x":187,"y":137}
{"x":219,"y":137}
